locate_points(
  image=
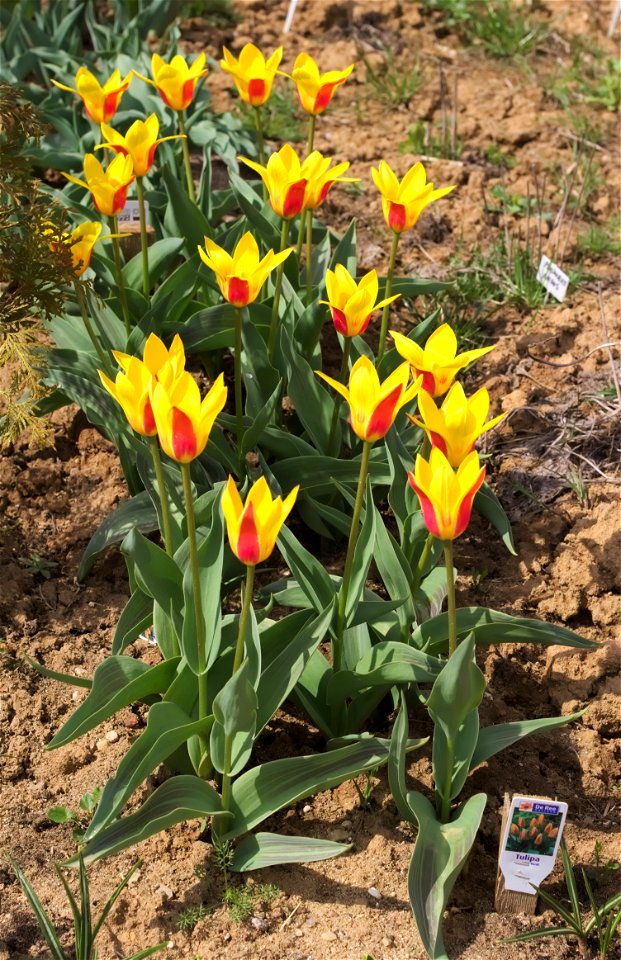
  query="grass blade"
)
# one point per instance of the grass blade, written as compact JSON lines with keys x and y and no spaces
{"x":46,"y":927}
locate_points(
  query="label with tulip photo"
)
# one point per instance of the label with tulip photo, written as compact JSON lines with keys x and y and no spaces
{"x":131,"y":213}
{"x":530,"y":842}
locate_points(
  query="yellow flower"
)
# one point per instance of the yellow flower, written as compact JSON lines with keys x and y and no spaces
{"x":254,"y":526}
{"x":100,"y":103}
{"x":403,"y":202}
{"x":139,"y":142}
{"x":183,"y":420}
{"x":134,"y":381}
{"x":315,"y":89}
{"x":373,"y":406}
{"x":252,"y":73}
{"x":108,"y":187}
{"x":445,"y":495}
{"x":241,"y":276}
{"x":285,"y":181}
{"x":175,"y":81}
{"x":352,"y":303}
{"x":457,"y":425}
{"x":316,"y":170}
{"x":438,"y":361}
{"x":80,"y":241}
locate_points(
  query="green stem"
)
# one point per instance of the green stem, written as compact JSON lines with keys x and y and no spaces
{"x":186,"y":156}
{"x":387,"y":293}
{"x":161,"y":489}
{"x":309,"y":257}
{"x":351,"y":549}
{"x":422,"y":563}
{"x":312,"y":120}
{"x":239,"y":410}
{"x":144,"y":241}
{"x":116,"y":246}
{"x":196,"y":595}
{"x":338,"y":399}
{"x":105,"y":362}
{"x":300,"y":242}
{"x":450,"y":584}
{"x":237,"y":662}
{"x":258,"y":122}
{"x":284,"y":236}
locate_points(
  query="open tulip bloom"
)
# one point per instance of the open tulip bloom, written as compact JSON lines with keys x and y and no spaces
{"x":252,"y":73}
{"x":241,"y":276}
{"x":438,"y":361}
{"x":315,"y":89}
{"x":321,"y":178}
{"x":100,"y":103}
{"x":108,"y":187}
{"x":254,"y":526}
{"x":81,"y":241}
{"x":404,"y":201}
{"x":139,"y":142}
{"x":446,"y":495}
{"x":183,"y":420}
{"x":352,"y":304}
{"x":285,"y":181}
{"x":176,"y":81}
{"x":455,"y":427}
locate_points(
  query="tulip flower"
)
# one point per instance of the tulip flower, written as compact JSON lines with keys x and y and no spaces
{"x":445,"y":495}
{"x":139,"y":142}
{"x":108,"y":187}
{"x":252,"y":73}
{"x":175,"y":81}
{"x":438,"y":361}
{"x":403,"y":202}
{"x":457,"y":425}
{"x":81,"y":241}
{"x":100,"y":103}
{"x":254,"y":526}
{"x":241,"y":276}
{"x":315,"y":89}
{"x":351,"y":303}
{"x":321,"y":179}
{"x":285,"y":181}
{"x":183,"y":420}
{"x":373,"y":405}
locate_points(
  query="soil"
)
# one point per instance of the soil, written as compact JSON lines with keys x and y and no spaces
{"x":554,"y":464}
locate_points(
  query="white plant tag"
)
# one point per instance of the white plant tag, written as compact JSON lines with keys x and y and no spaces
{"x":552,"y":278}
{"x":131,"y":212}
{"x":530,"y":843}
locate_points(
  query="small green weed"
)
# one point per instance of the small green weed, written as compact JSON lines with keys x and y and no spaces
{"x":217,"y":13}
{"x":591,"y":78}
{"x":64,"y":815}
{"x":600,"y":859}
{"x":281,"y":118}
{"x":189,"y":917}
{"x":515,"y":204}
{"x":598,"y":241}
{"x":396,"y":84}
{"x":38,"y":565}
{"x":243,"y":901}
{"x":500,"y":27}
{"x":365,"y":792}
{"x":432,"y":140}
{"x":493,"y":154}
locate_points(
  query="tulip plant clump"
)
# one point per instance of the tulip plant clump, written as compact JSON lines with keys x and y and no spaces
{"x":217,"y":470}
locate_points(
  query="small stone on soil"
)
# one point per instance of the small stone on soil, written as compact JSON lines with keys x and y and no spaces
{"x":374,"y":892}
{"x":328,"y":935}
{"x":112,"y":736}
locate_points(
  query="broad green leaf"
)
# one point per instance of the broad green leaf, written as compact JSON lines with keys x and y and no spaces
{"x":345,"y":251}
{"x":431,"y":594}
{"x":210,"y":329}
{"x":261,"y":378}
{"x":319,"y":473}
{"x":235,"y":712}
{"x":396,"y":762}
{"x":487,"y":503}
{"x":183,"y":218}
{"x":311,"y":692}
{"x":167,"y":728}
{"x":117,"y":682}
{"x":210,"y":559}
{"x":311,"y":575}
{"x":252,"y":435}
{"x":313,"y":405}
{"x":136,"y":616}
{"x":165,"y":633}
{"x":266,"y":788}
{"x":386,"y":664}
{"x":440,"y":851}
{"x":495,"y":739}
{"x":394,"y":571}
{"x":161,"y":255}
{"x":138,"y":512}
{"x":156,"y":574}
{"x":365,"y":549}
{"x":269,"y":849}
{"x":181,"y":798}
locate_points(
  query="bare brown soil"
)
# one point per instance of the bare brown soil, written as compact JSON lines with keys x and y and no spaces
{"x":568,"y":537}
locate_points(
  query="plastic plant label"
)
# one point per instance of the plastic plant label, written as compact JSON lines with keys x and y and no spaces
{"x":552,"y":278}
{"x":530,"y":842}
{"x":131,"y":212}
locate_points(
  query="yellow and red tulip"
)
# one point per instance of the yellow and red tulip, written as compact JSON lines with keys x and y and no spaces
{"x":438,"y":361}
{"x":109,"y":187}
{"x":315,"y":89}
{"x":445,"y":495}
{"x":352,"y":303}
{"x":285,"y":181}
{"x":254,"y":526}
{"x":176,"y":81}
{"x":183,"y":420}
{"x":404,"y":201}
{"x":241,"y":276}
{"x":139,"y":142}
{"x":133,"y":383}
{"x":320,"y":178}
{"x":252,"y":73}
{"x":456,"y":426}
{"x":100,"y":103}
{"x":80,"y":241}
{"x":373,"y":406}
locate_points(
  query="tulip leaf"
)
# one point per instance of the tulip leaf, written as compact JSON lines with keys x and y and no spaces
{"x":394,"y":571}
{"x":320,"y":472}
{"x":183,"y":218}
{"x":266,"y":788}
{"x":396,"y":761}
{"x":184,"y":797}
{"x":251,"y":206}
{"x":210,"y":559}
{"x":261,"y":378}
{"x":496,"y":738}
{"x":235,"y":713}
{"x":210,"y":329}
{"x":252,"y":435}
{"x":345,"y":250}
{"x":386,"y":664}
{"x":401,"y":497}
{"x":365,"y":549}
{"x":156,"y":574}
{"x":431,"y":594}
{"x":313,"y":405}
{"x":136,"y":616}
{"x":311,"y":575}
{"x":117,"y":682}
{"x":69,"y":678}
{"x":487,"y":503}
{"x":261,"y":850}
{"x":165,"y":633}
{"x":178,"y":287}
{"x":161,"y":255}
{"x":168,"y":726}
{"x":440,"y":851}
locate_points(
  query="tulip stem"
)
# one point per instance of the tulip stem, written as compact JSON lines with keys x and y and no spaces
{"x":309,"y":257}
{"x":105,"y":362}
{"x":161,"y":489}
{"x":271,"y":345}
{"x":186,"y":156}
{"x":338,"y":398}
{"x":387,"y":293}
{"x":237,"y":662}
{"x":144,"y":241}
{"x":312,"y":120}
{"x":258,"y":122}
{"x":300,"y":242}
{"x":239,"y":410}
{"x":114,"y":229}
{"x":196,"y":595}
{"x":452,"y":609}
{"x":351,"y":549}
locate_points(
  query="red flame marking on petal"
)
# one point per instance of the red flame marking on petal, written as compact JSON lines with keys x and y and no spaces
{"x":183,"y":437}
{"x":248,"y":546}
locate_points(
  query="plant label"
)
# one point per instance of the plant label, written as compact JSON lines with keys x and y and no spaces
{"x":530,"y":842}
{"x":552,"y":278}
{"x":131,"y":213}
